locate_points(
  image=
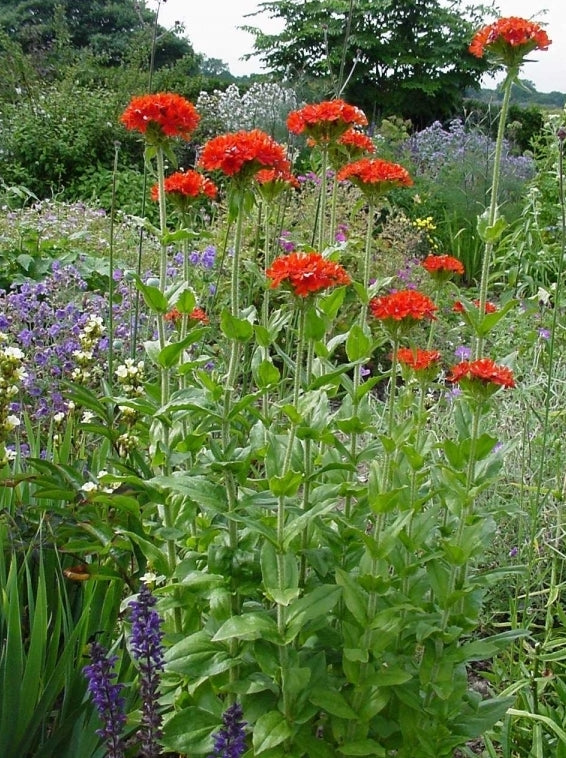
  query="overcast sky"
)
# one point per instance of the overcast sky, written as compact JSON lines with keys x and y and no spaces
{"x":211,"y":26}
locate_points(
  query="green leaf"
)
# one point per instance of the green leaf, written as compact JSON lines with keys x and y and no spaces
{"x":354,"y":597}
{"x":491,"y":233}
{"x":315,"y":327}
{"x":362,"y":747}
{"x":267,"y":374}
{"x":153,"y":297}
{"x":332,"y":702}
{"x":169,"y":355}
{"x":262,"y":335}
{"x":186,"y":301}
{"x":286,"y":485}
{"x":200,"y":489}
{"x":270,"y":730}
{"x":248,"y":626}
{"x":318,"y":602}
{"x":190,"y":731}
{"x":330,"y":304}
{"x":239,"y":329}
{"x":358,"y":344}
{"x":475,"y":722}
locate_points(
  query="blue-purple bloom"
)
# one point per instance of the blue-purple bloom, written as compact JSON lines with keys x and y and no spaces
{"x":230,"y":740}
{"x":147,"y":649}
{"x":463,"y":353}
{"x":544,"y":334}
{"x":105,"y":694}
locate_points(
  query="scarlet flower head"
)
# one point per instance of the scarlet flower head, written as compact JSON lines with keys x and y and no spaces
{"x":327,"y":121}
{"x":161,"y":116}
{"x":351,"y":146}
{"x":272,"y":182}
{"x":242,"y":154}
{"x":374,"y":176}
{"x":509,"y":40}
{"x":442,"y":267}
{"x":399,"y":311}
{"x":186,"y":187}
{"x":306,"y":273}
{"x":197,"y":314}
{"x":418,"y":360}
{"x":482,"y":377}
{"x":458,"y":307}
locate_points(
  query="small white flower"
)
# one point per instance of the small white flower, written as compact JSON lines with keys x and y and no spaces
{"x":13,"y":352}
{"x":12,"y":422}
{"x":59,"y":417}
{"x":89,"y":487}
{"x":87,"y":417}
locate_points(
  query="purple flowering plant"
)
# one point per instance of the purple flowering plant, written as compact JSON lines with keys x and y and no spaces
{"x":146,"y":646}
{"x":106,"y":695}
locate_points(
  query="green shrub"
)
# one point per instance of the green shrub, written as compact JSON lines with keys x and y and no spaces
{"x":52,"y":140}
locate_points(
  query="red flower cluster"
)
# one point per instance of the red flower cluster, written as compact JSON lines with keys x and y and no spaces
{"x":271,"y":182}
{"x":374,"y":176}
{"x":483,"y":370}
{"x":418,"y":360}
{"x":325,"y":121}
{"x":197,"y":314}
{"x":510,"y":39}
{"x":242,"y":154}
{"x":306,"y":273}
{"x":442,"y":264}
{"x":161,"y":115}
{"x":187,"y":184}
{"x":405,"y":304}
{"x":356,"y":140}
{"x":351,"y":146}
{"x":458,"y":307}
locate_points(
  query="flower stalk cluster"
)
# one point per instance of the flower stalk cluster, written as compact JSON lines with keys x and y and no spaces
{"x":147,"y":650}
{"x":146,"y":646}
{"x":12,"y":373}
{"x":229,"y":742}
{"x":106,"y":695}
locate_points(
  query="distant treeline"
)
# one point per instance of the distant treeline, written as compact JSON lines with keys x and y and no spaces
{"x":524,"y":94}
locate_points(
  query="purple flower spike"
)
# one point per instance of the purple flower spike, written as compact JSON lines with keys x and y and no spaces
{"x":147,"y":650}
{"x":106,"y":697}
{"x":229,"y":742}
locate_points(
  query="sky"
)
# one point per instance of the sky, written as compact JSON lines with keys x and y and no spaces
{"x":212,"y":28}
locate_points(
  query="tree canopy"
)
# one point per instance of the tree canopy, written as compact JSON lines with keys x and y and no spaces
{"x":406,"y":57}
{"x":106,"y":27}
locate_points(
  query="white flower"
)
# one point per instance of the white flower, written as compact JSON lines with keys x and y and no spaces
{"x":59,"y":417}
{"x":11,"y":422}
{"x":13,"y":352}
{"x":89,"y":487}
{"x":87,"y":417}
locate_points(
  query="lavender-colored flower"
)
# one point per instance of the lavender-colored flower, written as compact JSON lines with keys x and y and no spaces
{"x":513,"y":552}
{"x":105,"y":694}
{"x":230,"y":741}
{"x":147,"y":649}
{"x":463,"y":353}
{"x":544,"y":334}
{"x":341,"y":233}
{"x":284,"y":242}
{"x":208,"y":257}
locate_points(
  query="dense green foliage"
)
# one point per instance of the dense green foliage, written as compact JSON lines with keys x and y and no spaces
{"x":407,"y":58}
{"x":106,"y":27}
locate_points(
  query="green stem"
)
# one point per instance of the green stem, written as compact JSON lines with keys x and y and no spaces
{"x":362,"y":321}
{"x":232,"y":375}
{"x":166,"y":511}
{"x":281,"y":512}
{"x":322,"y":204}
{"x":493,"y":206}
{"x":111,"y":272}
